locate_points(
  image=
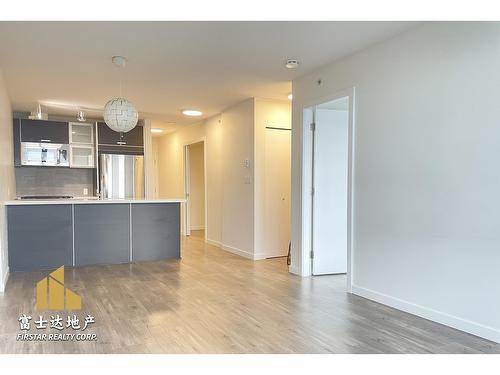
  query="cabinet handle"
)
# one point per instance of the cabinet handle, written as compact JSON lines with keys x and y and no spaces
{"x":121,"y":143}
{"x":45,"y":140}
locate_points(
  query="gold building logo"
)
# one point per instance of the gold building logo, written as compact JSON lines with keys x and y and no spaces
{"x":52,"y":295}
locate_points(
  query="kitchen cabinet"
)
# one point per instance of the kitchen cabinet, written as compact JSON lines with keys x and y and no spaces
{"x":40,"y":237}
{"x":81,"y":137}
{"x":82,"y":156}
{"x":155,"y":231}
{"x":44,"y":235}
{"x":43,"y":131}
{"x":17,"y":141}
{"x":102,"y":234}
{"x":107,"y":136}
{"x":81,"y":133}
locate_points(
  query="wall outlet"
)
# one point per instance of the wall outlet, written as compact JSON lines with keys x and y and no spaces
{"x":85,"y":191}
{"x":248,"y":180}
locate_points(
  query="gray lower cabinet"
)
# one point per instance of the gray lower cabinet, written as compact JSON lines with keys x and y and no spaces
{"x":102,"y":234}
{"x":155,"y":231}
{"x":40,"y":237}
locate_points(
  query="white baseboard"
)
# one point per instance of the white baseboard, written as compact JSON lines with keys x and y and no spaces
{"x":465,"y":325}
{"x":231,"y":249}
{"x":295,"y":270}
{"x":213,"y":242}
{"x":234,"y":250}
{"x":3,"y":282}
{"x":197,"y":227}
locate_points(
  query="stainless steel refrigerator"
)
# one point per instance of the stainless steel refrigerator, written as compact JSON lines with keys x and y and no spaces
{"x":121,"y":176}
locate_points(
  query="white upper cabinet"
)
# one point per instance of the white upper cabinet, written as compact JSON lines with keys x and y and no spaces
{"x":81,"y":139}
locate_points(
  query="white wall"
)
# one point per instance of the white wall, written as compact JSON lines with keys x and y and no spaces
{"x":272,"y":177}
{"x":237,"y":180}
{"x":7,"y":181}
{"x":197,"y":186}
{"x":238,"y":133}
{"x":426,"y":233}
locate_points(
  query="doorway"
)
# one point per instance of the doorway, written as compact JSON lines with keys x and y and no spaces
{"x":195,"y":217}
{"x":328,"y":128}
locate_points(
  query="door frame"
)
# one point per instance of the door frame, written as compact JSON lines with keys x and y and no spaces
{"x":307,"y":181}
{"x":186,"y":230}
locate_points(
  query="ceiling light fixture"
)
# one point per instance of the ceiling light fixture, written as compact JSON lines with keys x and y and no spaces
{"x":191,"y":112}
{"x":119,"y":114}
{"x":291,"y":63}
{"x":290,"y":96}
{"x":38,"y":115}
{"x":155,"y":130}
{"x":80,"y":116}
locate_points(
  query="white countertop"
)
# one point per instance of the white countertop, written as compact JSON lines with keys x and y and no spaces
{"x":89,"y":201}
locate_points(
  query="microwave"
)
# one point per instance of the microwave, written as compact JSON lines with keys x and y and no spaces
{"x":45,"y":154}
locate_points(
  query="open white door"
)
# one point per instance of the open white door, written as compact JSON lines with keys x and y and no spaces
{"x":187,"y":189}
{"x":330,"y":184}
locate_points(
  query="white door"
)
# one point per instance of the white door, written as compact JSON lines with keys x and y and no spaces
{"x":277,"y":191}
{"x":330,"y":181}
{"x":187,"y":189}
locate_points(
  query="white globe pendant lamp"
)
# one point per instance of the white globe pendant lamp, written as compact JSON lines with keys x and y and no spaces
{"x":120,"y":114}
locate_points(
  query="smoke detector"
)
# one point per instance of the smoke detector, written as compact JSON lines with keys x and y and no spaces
{"x":291,"y":63}
{"x":119,"y":61}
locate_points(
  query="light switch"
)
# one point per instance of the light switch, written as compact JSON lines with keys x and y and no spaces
{"x":246,"y":163}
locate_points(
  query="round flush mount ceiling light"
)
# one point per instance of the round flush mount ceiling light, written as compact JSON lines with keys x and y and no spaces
{"x":291,"y":63}
{"x":290,"y":96}
{"x":156,"y":130}
{"x":191,"y":112}
{"x":120,"y":115}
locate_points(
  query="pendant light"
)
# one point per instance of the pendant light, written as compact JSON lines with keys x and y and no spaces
{"x":119,"y":114}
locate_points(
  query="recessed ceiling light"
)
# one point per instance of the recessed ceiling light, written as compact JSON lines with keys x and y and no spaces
{"x":291,"y":64}
{"x":290,"y":96}
{"x":155,"y":130}
{"x":191,"y":112}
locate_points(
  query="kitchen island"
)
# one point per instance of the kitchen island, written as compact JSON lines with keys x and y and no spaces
{"x":45,"y":234}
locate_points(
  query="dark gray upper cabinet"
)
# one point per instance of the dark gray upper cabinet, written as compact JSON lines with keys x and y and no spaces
{"x":44,"y":131}
{"x":17,"y":142}
{"x":107,"y":136}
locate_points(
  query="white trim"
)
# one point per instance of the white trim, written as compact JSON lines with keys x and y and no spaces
{"x":233,"y":250}
{"x":213,"y":242}
{"x":198,"y":227}
{"x":260,"y":256}
{"x":461,"y":324}
{"x":130,"y":232}
{"x":193,"y":141}
{"x":3,"y":282}
{"x":295,"y":270}
{"x":306,"y":261}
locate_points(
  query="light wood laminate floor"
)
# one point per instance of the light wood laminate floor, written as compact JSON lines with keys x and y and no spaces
{"x":214,"y":302}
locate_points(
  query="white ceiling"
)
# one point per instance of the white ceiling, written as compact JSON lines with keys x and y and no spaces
{"x":171,"y":65}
